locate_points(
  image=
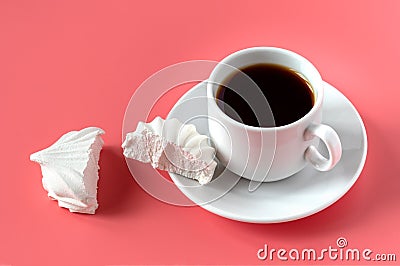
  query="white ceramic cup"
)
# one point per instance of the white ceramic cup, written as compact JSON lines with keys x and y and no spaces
{"x":270,"y":153}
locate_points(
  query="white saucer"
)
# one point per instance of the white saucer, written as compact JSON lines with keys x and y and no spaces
{"x":298,"y":196}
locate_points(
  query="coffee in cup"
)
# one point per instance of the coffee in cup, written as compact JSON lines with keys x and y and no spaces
{"x":288,"y":94}
{"x":265,"y":113}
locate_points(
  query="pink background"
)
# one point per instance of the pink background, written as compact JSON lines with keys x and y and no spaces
{"x":72,"y":64}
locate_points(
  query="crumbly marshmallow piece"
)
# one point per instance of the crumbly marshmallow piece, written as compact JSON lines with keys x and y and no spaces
{"x":172,"y":146}
{"x":70,"y":169}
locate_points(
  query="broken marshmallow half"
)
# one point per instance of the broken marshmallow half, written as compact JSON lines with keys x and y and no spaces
{"x":172,"y":146}
{"x":70,"y":169}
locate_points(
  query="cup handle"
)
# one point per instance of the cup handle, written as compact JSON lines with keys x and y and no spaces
{"x":332,"y":142}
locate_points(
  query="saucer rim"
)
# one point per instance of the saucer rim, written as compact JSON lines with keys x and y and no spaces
{"x":262,"y":220}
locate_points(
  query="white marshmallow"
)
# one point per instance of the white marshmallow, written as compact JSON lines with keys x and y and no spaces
{"x":70,"y":169}
{"x":169,"y":145}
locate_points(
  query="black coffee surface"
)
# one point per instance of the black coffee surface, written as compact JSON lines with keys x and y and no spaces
{"x":289,"y":96}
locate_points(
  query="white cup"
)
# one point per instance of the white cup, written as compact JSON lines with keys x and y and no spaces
{"x":270,"y":153}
